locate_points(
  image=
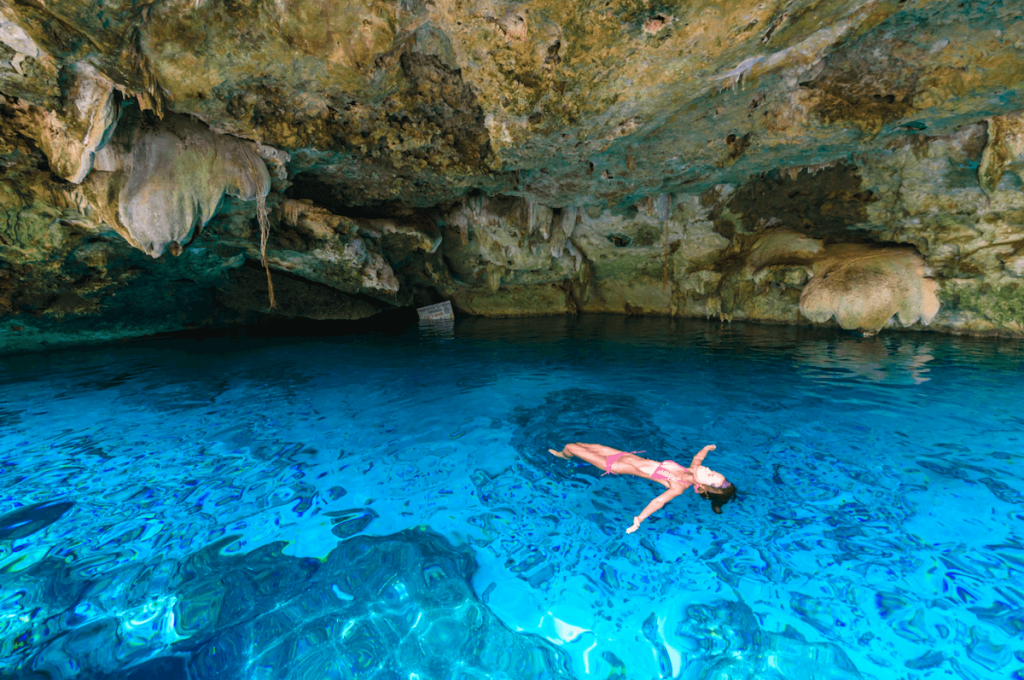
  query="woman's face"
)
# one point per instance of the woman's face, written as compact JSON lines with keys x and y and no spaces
{"x":707,"y":477}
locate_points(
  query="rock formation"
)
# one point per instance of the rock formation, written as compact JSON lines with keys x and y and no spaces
{"x":212,"y":616}
{"x":850,"y":162}
{"x":864,"y":288}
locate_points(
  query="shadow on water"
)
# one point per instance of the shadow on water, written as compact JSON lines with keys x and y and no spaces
{"x":32,"y":518}
{"x":580,"y":415}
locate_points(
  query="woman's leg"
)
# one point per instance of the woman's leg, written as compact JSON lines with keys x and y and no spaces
{"x":561,"y":454}
{"x":592,"y":453}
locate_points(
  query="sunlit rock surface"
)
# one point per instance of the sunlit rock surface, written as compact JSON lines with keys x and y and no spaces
{"x":522,"y":158}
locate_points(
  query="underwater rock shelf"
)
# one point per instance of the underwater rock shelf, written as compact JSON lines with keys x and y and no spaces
{"x":384,"y":607}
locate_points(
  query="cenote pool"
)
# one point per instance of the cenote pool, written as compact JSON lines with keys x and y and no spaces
{"x":384,"y":506}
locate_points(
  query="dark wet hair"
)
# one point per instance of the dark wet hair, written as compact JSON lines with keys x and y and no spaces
{"x":718,"y":496}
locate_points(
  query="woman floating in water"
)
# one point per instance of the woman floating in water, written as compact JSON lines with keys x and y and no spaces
{"x":668,"y":473}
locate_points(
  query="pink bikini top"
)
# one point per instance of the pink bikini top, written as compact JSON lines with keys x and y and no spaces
{"x":656,"y":477}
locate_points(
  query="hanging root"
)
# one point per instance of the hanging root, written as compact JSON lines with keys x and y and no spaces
{"x":261,"y":216}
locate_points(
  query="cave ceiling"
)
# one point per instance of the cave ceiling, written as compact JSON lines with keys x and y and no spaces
{"x":808,"y":161}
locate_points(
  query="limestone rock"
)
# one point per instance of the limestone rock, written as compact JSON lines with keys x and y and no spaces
{"x":26,"y":71}
{"x":1015,"y":263}
{"x":15,"y":37}
{"x":529,"y":157}
{"x":178,"y":171}
{"x":509,"y":241}
{"x":320,"y":246}
{"x":387,"y":606}
{"x":71,"y":138}
{"x":782,"y":245}
{"x":1004,"y":149}
{"x":863,"y":288}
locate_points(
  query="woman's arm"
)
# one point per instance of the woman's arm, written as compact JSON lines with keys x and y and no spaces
{"x":655,"y":505}
{"x":695,"y":463}
{"x":699,"y":458}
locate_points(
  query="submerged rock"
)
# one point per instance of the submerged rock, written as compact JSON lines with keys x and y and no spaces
{"x":30,"y":519}
{"x":711,"y":631}
{"x":374,"y":607}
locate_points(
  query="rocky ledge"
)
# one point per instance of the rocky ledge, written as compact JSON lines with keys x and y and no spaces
{"x":179,"y":164}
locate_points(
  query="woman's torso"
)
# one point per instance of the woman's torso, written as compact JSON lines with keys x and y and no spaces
{"x":667,"y":471}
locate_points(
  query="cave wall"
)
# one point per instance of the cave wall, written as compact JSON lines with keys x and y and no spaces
{"x":838,"y":162}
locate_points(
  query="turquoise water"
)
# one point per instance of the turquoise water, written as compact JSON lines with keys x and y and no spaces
{"x":384,"y":506}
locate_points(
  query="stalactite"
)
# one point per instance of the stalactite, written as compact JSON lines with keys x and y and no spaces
{"x":664,"y":266}
{"x":177,"y":174}
{"x":472,"y":212}
{"x":292,"y":210}
{"x":565,"y":228}
{"x":569,"y":215}
{"x":535,"y":218}
{"x":864,"y":287}
{"x":493,"y":274}
{"x":575,"y":253}
{"x":663,"y":207}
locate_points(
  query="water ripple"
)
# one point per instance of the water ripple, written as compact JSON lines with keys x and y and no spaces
{"x":234,"y":508}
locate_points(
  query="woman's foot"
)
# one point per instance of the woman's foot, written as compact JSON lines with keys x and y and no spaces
{"x":560,"y":454}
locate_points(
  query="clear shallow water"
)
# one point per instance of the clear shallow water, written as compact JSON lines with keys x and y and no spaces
{"x":384,"y":507}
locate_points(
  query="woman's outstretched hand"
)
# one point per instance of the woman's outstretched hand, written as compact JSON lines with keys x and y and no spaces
{"x":636,"y":525}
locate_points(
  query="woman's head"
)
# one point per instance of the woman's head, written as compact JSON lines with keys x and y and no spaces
{"x":715,"y":487}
